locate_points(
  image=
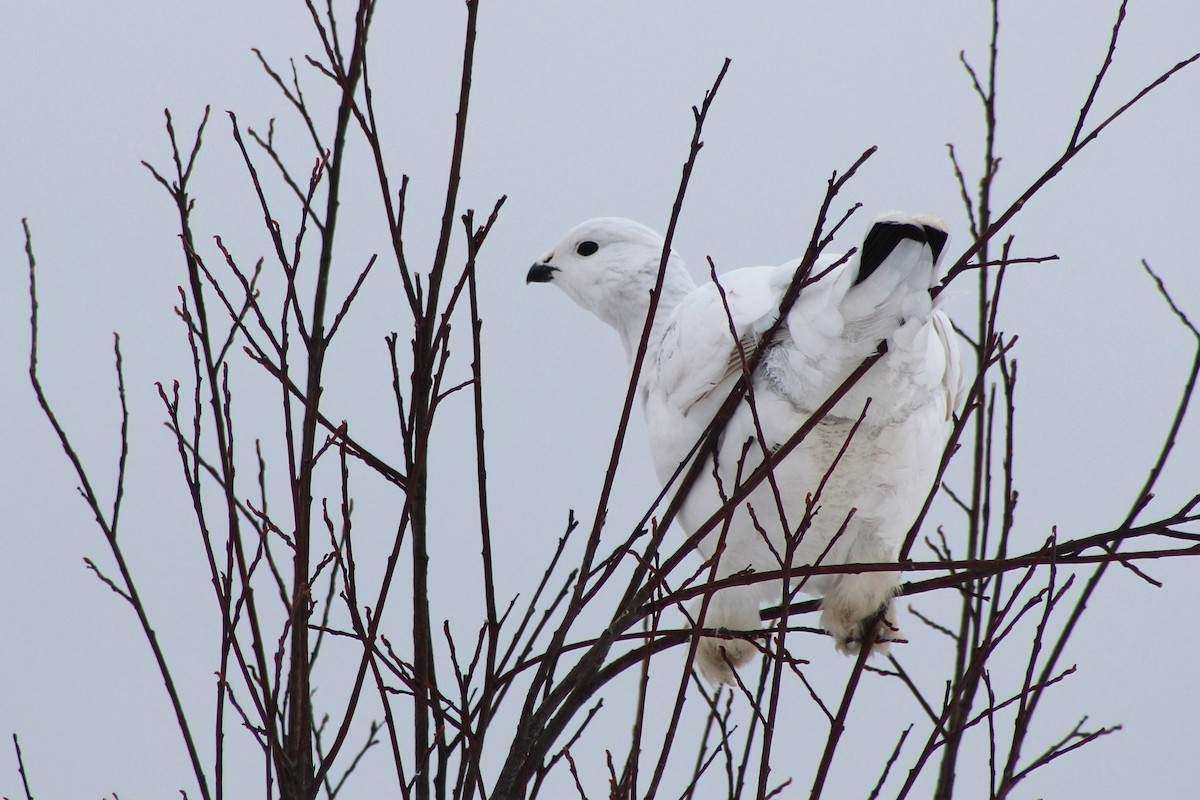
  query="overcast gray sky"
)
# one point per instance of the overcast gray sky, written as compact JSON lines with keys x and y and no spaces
{"x":581,"y":110}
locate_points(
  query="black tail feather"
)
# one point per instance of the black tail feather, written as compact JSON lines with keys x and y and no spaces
{"x":937,"y":239}
{"x":882,"y":239}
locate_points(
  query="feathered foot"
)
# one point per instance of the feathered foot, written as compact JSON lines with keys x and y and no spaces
{"x":886,"y":631}
{"x":730,"y":610}
{"x":858,"y":604}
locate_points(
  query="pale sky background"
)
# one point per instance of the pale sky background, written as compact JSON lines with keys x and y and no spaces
{"x":579,"y":110}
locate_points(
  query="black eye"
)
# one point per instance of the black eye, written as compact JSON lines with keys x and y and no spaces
{"x":587,"y":248}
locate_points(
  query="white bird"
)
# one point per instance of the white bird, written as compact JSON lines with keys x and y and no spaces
{"x":876,"y":489}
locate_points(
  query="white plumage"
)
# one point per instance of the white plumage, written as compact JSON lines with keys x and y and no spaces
{"x":609,"y":267}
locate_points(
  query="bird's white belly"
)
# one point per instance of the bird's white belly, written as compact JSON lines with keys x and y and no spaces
{"x":883,"y":476}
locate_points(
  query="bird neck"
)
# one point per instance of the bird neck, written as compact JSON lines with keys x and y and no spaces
{"x":677,"y":283}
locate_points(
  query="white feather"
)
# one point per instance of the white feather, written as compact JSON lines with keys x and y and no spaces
{"x":692,"y":364}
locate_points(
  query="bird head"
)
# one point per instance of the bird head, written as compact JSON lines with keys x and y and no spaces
{"x":609,"y":266}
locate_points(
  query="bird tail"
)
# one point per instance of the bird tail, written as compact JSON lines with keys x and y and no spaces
{"x":896,"y":268}
{"x":882,"y":295}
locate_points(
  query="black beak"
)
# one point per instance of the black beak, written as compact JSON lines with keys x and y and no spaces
{"x":540,"y":273}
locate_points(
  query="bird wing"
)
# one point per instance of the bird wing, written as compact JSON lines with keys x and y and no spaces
{"x":878,"y":294}
{"x":709,"y":334}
